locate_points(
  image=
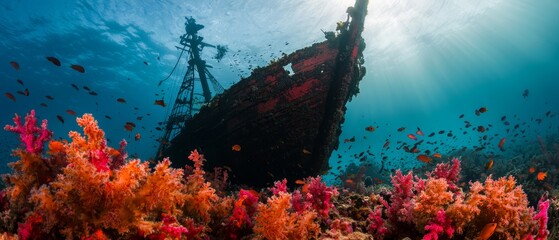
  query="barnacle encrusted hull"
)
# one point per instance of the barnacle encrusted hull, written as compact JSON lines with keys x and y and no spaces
{"x":285,"y":117}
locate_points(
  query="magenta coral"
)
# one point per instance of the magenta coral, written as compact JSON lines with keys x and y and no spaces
{"x":279,"y":186}
{"x":449,"y":172}
{"x":321,"y":196}
{"x":441,"y":224}
{"x":542,"y":219}
{"x":376,"y":223}
{"x":30,"y":135}
{"x":401,"y":200}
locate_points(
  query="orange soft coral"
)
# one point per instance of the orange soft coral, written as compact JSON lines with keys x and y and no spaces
{"x":435,"y":196}
{"x":275,"y":221}
{"x":200,"y":197}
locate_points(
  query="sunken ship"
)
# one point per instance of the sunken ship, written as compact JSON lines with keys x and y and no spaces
{"x":283,"y":121}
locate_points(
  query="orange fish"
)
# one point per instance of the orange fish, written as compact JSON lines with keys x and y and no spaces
{"x":437,"y":155}
{"x":349,"y":181}
{"x":299,"y":182}
{"x":10,"y":96}
{"x":489,"y":164}
{"x":78,"y":68}
{"x":412,"y":137}
{"x":532,"y":170}
{"x":71,"y":112}
{"x":487,"y":231}
{"x":370,"y":128}
{"x":15,"y":65}
{"x":541,"y":176}
{"x":424,"y":158}
{"x":54,"y":61}
{"x":236,"y":148}
{"x":121,"y":100}
{"x":419,"y":132}
{"x":502,"y":144}
{"x":60,"y":118}
{"x":305,"y":151}
{"x":160,"y":103}
{"x":137,"y":137}
{"x":482,"y":109}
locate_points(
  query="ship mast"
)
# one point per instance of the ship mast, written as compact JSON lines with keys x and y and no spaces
{"x":189,"y":99}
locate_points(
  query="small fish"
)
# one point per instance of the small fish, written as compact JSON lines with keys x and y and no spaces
{"x":78,"y":68}
{"x":137,"y":137}
{"x":160,"y":103}
{"x":15,"y":65}
{"x":437,"y":155}
{"x":71,"y":112}
{"x":43,"y":105}
{"x":146,"y":63}
{"x":26,"y":92}
{"x":482,"y":109}
{"x":49,"y":97}
{"x":489,"y":164}
{"x":54,"y":61}
{"x":75,"y":87}
{"x":386,"y":144}
{"x":461,"y":116}
{"x":86,"y":88}
{"x":525,"y":93}
{"x":532,"y":170}
{"x":541,"y":176}
{"x":502,"y":144}
{"x":481,"y":129}
{"x":349,"y":181}
{"x":20,"y":82}
{"x":424,"y":158}
{"x":60,"y":118}
{"x":352,"y":139}
{"x":108,"y":117}
{"x":412,"y":137}
{"x":139,"y":118}
{"x":305,"y":151}
{"x":10,"y":96}
{"x":401,"y":129}
{"x":487,"y":231}
{"x":236,"y":148}
{"x":370,"y":128}
{"x":419,"y":132}
{"x":93,"y":93}
{"x":299,"y":182}
{"x":128,"y":127}
{"x":121,"y":100}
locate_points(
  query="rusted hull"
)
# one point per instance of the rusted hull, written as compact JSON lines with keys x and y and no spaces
{"x":286,"y":125}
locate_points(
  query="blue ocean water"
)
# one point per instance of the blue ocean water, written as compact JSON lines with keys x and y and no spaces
{"x":427,"y":63}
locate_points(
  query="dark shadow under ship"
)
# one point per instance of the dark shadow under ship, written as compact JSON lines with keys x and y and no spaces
{"x":284,"y":120}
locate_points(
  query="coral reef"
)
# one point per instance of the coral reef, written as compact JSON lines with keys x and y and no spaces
{"x":83,"y":188}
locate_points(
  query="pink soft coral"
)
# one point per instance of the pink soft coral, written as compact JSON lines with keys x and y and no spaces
{"x":321,"y":196}
{"x":542,"y":218}
{"x":441,"y":224}
{"x":449,"y":172}
{"x":401,"y":199}
{"x":33,"y":137}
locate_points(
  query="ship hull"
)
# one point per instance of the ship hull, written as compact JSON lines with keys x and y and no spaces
{"x":284,"y":120}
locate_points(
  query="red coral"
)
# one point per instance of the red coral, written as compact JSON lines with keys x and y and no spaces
{"x":320,"y":196}
{"x":401,"y":199}
{"x":30,"y":135}
{"x":298,"y":202}
{"x":279,"y":187}
{"x":376,"y":223}
{"x":441,"y":224}
{"x":449,"y":172}
{"x":542,"y":218}
{"x":31,"y":227}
